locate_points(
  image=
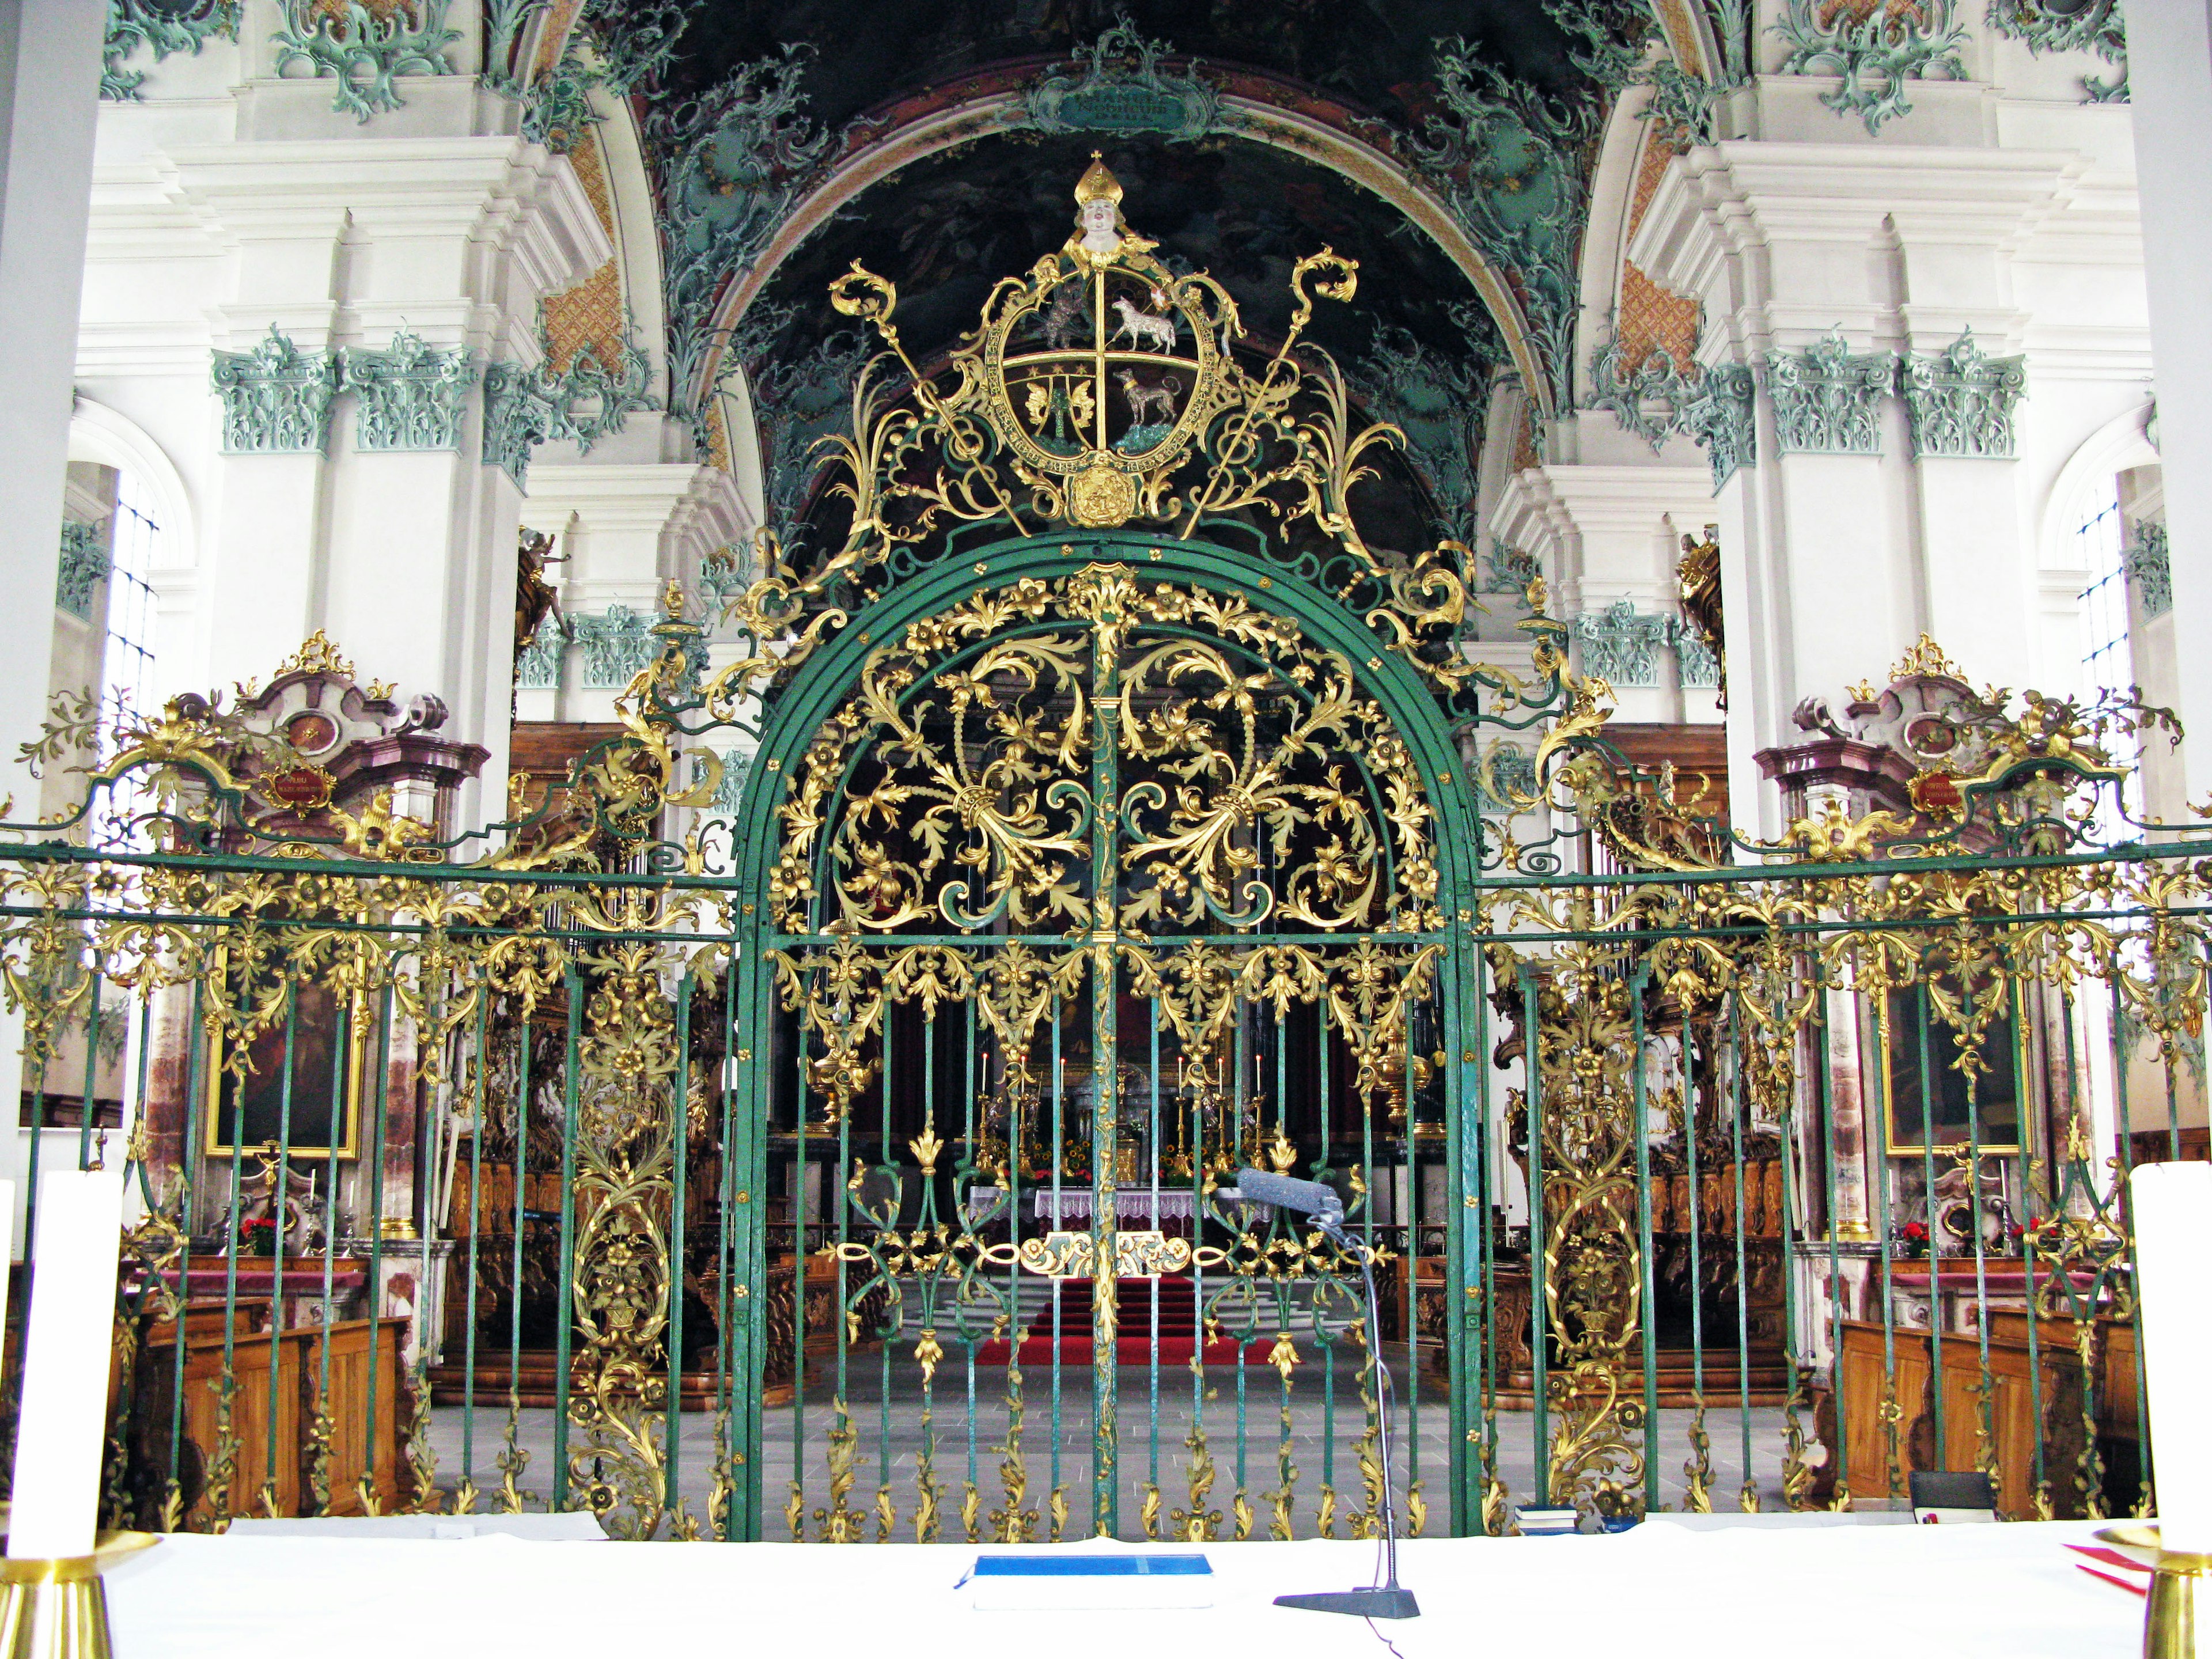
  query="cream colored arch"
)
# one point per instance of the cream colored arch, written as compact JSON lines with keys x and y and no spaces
{"x":2119,"y":444}
{"x":1606,"y":232}
{"x":637,"y":235}
{"x":104,"y":437}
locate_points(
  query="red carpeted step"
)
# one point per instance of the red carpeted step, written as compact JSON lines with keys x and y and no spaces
{"x":1075,"y":1352}
{"x":1175,"y":1299}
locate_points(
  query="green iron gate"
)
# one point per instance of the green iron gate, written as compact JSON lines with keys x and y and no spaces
{"x":1088,"y":798}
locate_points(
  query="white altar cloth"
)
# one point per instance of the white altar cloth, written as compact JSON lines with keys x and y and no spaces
{"x":1134,"y":1207}
{"x":2001,"y":1592}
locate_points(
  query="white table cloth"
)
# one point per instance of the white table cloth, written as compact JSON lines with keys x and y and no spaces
{"x":1133,"y":1205}
{"x":2002,"y":1592}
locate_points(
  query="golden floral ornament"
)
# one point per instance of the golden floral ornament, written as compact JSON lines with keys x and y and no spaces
{"x":316,"y":655}
{"x":1831,"y":835}
{"x":1926,"y":658}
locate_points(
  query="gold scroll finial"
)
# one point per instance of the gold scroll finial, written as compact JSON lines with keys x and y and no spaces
{"x":316,"y":655}
{"x":1926,"y":658}
{"x":1098,"y":184}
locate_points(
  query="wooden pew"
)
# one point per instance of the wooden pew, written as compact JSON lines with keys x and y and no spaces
{"x":276,"y":1394}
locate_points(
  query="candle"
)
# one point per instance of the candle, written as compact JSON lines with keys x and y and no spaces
{"x":61,"y":1433}
{"x":2172,"y":1209}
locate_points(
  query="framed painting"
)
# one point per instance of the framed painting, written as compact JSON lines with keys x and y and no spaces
{"x":247,"y":1112}
{"x":1928,"y":1106}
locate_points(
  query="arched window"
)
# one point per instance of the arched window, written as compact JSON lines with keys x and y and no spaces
{"x":128,"y":665}
{"x":2108,"y":655}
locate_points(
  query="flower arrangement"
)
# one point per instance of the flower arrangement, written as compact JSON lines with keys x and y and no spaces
{"x":1912,"y":1239}
{"x":257,"y":1236}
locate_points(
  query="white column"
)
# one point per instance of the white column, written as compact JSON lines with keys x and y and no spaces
{"x":2170,"y":80}
{"x":405,"y":557}
{"x":624,"y":530}
{"x":50,"y":60}
{"x":1609,"y":533}
{"x":1837,"y":562}
{"x":49,"y":85}
{"x":1755,"y":611}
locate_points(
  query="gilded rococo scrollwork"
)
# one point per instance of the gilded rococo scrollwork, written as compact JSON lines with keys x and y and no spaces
{"x":1138,"y":797}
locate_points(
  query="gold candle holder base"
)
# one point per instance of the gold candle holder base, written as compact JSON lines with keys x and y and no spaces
{"x":2170,"y":1615}
{"x":58,"y":1608}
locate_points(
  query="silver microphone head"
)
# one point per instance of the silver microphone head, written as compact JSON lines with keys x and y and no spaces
{"x":1311,"y":1198}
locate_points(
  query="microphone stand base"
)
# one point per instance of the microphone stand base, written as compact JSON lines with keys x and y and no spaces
{"x":1379,"y":1602}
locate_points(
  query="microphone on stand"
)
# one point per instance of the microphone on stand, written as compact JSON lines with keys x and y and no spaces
{"x":1319,"y":1202}
{"x":1309,"y":1198}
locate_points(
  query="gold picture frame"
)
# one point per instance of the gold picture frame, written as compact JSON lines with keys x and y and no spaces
{"x":322,"y":1128}
{"x":1997,"y":1090}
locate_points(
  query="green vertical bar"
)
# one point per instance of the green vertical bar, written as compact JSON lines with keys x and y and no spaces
{"x":1486,"y":1169}
{"x":91,"y":1064}
{"x":834,"y":1194}
{"x":341,"y":1057}
{"x":1737,"y":1109}
{"x":1928,"y":1206}
{"x":1105,"y":1085}
{"x":2123,"y":1199}
{"x":803,"y":1169}
{"x":513,"y":1426}
{"x":1153,"y":1352}
{"x":1539,"y":1405}
{"x":476,"y":1227}
{"x":930,"y":1283}
{"x":1058,"y":1153}
{"x":1647,"y":1320}
{"x":1462,"y":1204}
{"x":1823,"y":1082}
{"x":1328,"y":1346}
{"x":1793,"y":1223}
{"x":1879,"y":1138}
{"x":564,"y":1319}
{"x":192,"y":1159}
{"x":1410,"y":1225}
{"x":1986,"y":1434}
{"x":381,"y":1080}
{"x":1697,"y":1205}
{"x":884,"y":1345}
{"x":276,"y":1209}
{"x":679,"y":1116}
{"x":733,"y":1275}
{"x":969,"y":1128}
{"x":2025,"y":1131}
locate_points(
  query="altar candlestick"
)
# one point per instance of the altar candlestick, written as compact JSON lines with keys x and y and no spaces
{"x":2171,"y":1206}
{"x":69,"y":1345}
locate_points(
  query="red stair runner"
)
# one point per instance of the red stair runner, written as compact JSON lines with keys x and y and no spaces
{"x":1175,"y":1297}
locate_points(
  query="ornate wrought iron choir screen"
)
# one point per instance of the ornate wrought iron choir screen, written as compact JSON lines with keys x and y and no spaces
{"x":849,"y":1166}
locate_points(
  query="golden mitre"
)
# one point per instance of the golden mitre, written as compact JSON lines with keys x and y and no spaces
{"x":1097,"y":184}
{"x":1092,"y":247}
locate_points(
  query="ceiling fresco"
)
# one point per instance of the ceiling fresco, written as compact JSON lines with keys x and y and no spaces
{"x":946,"y":229}
{"x":1372,"y":56}
{"x":1492,"y":106}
